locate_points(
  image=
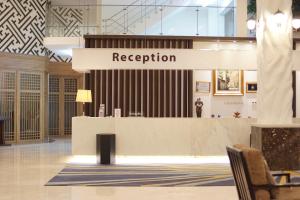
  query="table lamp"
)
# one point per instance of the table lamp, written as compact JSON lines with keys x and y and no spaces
{"x":84,"y":96}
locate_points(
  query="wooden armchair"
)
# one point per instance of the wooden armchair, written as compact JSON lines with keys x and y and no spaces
{"x":253,"y":178}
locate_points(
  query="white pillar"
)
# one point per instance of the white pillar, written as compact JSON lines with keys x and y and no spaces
{"x":241,"y":18}
{"x":274,"y":53}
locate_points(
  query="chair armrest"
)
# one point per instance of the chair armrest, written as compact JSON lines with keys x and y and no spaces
{"x":288,"y":185}
{"x":287,"y":175}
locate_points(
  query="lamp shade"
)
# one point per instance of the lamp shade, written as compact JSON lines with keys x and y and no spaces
{"x":296,"y":23}
{"x":84,"y":96}
{"x":251,"y":24}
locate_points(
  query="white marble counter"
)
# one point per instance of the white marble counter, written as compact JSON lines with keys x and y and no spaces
{"x":292,"y":125}
{"x":161,"y":136}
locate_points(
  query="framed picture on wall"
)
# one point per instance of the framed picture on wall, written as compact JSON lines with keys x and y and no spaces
{"x":228,"y":82}
{"x":251,"y":87}
{"x":202,"y":87}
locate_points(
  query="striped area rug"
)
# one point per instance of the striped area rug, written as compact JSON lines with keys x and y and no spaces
{"x":147,"y":176}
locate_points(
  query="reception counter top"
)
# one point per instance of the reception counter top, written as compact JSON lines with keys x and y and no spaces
{"x":161,"y":136}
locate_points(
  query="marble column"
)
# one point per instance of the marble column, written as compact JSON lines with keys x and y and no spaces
{"x":274,"y":53}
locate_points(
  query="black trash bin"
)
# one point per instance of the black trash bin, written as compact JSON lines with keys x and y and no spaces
{"x":106,"y":148}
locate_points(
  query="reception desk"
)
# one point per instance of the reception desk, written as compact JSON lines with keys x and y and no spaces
{"x":161,"y":136}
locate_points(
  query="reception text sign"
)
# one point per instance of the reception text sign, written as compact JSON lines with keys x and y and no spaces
{"x":90,"y":59}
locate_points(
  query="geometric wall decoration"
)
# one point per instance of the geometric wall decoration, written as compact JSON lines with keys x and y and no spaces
{"x":22,"y":26}
{"x":65,"y":22}
{"x":62,"y":104}
{"x":54,"y":57}
{"x":8,"y":103}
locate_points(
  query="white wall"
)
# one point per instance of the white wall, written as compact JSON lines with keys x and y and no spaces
{"x":225,"y":106}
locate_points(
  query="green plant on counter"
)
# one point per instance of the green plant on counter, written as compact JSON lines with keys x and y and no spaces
{"x":252,"y":7}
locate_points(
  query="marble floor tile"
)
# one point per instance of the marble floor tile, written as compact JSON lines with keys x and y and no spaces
{"x":25,"y":169}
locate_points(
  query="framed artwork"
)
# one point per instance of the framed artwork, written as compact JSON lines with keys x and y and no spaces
{"x":251,"y":87}
{"x":228,"y":82}
{"x":202,"y":87}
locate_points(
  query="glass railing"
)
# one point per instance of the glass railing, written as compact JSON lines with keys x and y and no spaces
{"x":142,"y":17}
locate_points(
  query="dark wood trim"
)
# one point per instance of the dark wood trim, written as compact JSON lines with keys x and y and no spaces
{"x":190,"y":93}
{"x":294,"y":85}
{"x":2,"y":142}
{"x":294,"y":104}
{"x":92,"y":86}
{"x":160,"y":37}
{"x":151,"y":94}
{"x":141,"y":39}
{"x":122,"y":93}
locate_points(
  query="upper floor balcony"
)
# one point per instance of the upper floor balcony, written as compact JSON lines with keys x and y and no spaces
{"x":145,"y":17}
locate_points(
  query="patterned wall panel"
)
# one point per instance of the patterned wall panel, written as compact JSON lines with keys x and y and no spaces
{"x":65,"y":21}
{"x":53,"y":117}
{"x":30,"y":106}
{"x":148,"y":93}
{"x":70,"y":107}
{"x":22,"y":26}
{"x":7,"y":103}
{"x":58,"y":58}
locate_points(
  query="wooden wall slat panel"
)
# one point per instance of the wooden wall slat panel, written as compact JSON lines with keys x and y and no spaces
{"x":109,"y":93}
{"x":145,"y":92}
{"x":167,"y":92}
{"x":162,"y":92}
{"x":133,"y":91}
{"x":121,"y":93}
{"x":127,"y":85}
{"x":179,"y":94}
{"x":173,"y":93}
{"x":116,"y":90}
{"x":154,"y":93}
{"x":151,"y":93}
{"x":103,"y":82}
{"x":185,"y":94}
{"x":87,"y":86}
{"x":92,"y":86}
{"x":98,"y":94}
{"x":190,"y":94}
{"x":139,"y":86}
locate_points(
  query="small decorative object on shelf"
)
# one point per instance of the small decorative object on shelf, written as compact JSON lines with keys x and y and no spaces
{"x":199,"y":105}
{"x":102,"y":110}
{"x":117,"y":112}
{"x":219,"y":116}
{"x":212,"y":116}
{"x":237,"y":115}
